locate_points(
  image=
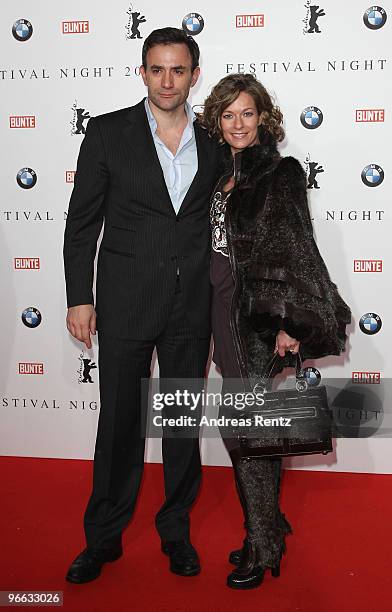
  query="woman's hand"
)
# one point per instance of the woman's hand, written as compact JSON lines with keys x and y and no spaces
{"x":284,"y":343}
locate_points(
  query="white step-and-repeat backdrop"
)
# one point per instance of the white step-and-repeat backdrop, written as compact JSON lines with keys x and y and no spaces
{"x":328,"y":67}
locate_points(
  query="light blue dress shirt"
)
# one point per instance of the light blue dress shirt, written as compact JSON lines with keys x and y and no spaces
{"x":178,"y":170}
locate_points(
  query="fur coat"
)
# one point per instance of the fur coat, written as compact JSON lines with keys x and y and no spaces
{"x":281,"y":280}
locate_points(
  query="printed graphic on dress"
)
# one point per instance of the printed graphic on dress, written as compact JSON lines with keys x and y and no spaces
{"x":218,"y":229}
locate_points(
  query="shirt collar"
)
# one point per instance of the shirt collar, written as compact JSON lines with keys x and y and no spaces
{"x":153,"y":123}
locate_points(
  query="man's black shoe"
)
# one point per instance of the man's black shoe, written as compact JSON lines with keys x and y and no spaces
{"x":87,"y":566}
{"x":184,"y":559}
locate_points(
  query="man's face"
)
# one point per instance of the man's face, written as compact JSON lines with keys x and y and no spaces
{"x":168,"y":76}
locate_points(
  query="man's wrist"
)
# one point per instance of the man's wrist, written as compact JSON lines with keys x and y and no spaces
{"x":80,"y":304}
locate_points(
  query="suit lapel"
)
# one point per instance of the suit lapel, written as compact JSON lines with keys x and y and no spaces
{"x":137,"y":134}
{"x":202,"y":166}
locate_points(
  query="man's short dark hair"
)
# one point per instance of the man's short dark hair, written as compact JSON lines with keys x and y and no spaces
{"x":171,"y":36}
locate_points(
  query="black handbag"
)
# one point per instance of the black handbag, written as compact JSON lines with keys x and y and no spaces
{"x":311,"y":423}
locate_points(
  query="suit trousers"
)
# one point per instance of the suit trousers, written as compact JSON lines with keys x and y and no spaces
{"x":119,"y":448}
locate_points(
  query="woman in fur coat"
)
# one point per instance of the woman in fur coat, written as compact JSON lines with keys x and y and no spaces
{"x":271,"y":290}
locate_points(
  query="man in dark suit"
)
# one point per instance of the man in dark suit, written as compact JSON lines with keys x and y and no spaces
{"x":147,"y":172}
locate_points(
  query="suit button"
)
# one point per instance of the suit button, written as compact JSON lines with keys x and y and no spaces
{"x":173,"y":257}
{"x":160,"y":264}
{"x":178,"y":220}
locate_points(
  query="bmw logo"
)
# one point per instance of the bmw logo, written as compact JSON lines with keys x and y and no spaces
{"x":374,"y":17}
{"x":311,"y":117}
{"x":370,"y":323}
{"x":193,"y":23}
{"x":372,"y":175}
{"x":31,"y":317}
{"x":26,"y":178}
{"x":22,"y":30}
{"x":312,"y":376}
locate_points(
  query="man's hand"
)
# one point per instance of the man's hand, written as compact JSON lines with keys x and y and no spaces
{"x":81,"y":322}
{"x":284,"y":343}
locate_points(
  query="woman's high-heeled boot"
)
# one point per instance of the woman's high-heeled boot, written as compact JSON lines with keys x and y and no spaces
{"x":283,"y":524}
{"x":235,"y":556}
{"x":264,"y":543}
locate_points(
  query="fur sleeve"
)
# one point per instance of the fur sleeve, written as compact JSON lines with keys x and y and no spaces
{"x":289,"y":284}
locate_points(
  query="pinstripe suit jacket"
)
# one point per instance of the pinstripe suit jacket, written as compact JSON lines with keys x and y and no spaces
{"x":119,"y":182}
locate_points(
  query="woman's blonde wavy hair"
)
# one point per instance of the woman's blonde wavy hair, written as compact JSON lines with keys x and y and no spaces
{"x":227,"y":90}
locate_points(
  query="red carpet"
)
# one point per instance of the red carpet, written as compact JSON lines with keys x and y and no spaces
{"x":338,"y":558}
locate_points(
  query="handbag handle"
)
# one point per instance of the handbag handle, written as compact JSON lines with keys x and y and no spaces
{"x":270,"y":367}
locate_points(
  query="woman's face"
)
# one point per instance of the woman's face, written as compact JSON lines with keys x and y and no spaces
{"x":240,"y":122}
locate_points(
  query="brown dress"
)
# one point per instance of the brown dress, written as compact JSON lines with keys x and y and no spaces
{"x":224,"y":355}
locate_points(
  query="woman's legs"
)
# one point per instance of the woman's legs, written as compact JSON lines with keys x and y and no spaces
{"x":258,"y":484}
{"x":258,"y":481}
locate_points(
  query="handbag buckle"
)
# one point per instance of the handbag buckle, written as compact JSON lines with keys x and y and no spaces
{"x":259,"y":388}
{"x":301,"y":385}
